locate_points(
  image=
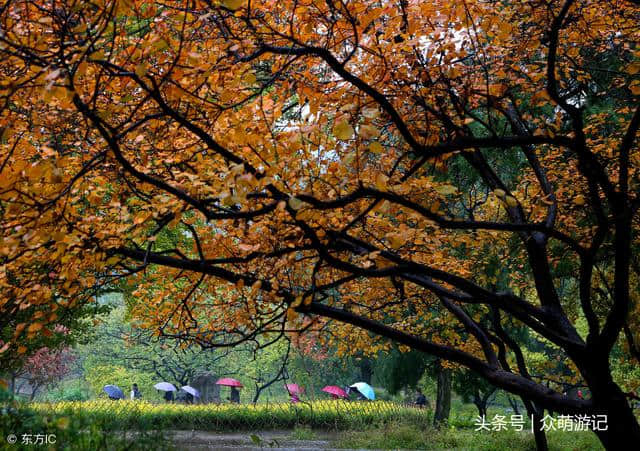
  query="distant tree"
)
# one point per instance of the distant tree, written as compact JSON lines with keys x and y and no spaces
{"x":46,"y":367}
{"x":474,"y":389}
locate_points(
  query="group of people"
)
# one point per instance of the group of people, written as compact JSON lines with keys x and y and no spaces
{"x":234,"y":397}
{"x":168,"y":396}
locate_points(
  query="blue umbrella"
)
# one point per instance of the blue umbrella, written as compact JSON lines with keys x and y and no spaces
{"x":192,"y":391}
{"x":165,"y":386}
{"x":113,"y":391}
{"x":365,"y":390}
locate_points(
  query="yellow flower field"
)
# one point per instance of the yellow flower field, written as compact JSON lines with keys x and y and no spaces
{"x":329,"y":413}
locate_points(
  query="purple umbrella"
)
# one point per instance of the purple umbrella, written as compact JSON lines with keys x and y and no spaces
{"x":113,"y":391}
{"x":192,"y":391}
{"x":165,"y":386}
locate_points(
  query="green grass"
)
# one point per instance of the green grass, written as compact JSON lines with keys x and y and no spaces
{"x":303,"y":433}
{"x":399,"y":436}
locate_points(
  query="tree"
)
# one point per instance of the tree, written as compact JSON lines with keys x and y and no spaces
{"x":474,"y":389}
{"x":45,"y":368}
{"x":354,"y":167}
{"x":118,"y":343}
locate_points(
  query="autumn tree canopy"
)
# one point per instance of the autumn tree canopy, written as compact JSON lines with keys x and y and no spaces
{"x":439,"y":173}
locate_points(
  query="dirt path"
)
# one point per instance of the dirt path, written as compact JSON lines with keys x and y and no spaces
{"x":276,"y":440}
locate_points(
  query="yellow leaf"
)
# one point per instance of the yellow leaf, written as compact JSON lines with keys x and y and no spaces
{"x":370,"y":113}
{"x":249,"y":78}
{"x":446,"y":189}
{"x":579,"y":200}
{"x":368,"y":131}
{"x":35,"y":327}
{"x":633,"y":68}
{"x":296,"y":303}
{"x":376,"y":147}
{"x":343,"y":130}
{"x":141,"y":70}
{"x":233,"y":4}
{"x":511,"y":201}
{"x":295,"y":203}
{"x":500,"y":193}
{"x":381,"y":181}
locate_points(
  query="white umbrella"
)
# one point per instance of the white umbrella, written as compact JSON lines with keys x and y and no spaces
{"x":165,"y":386}
{"x":192,"y":391}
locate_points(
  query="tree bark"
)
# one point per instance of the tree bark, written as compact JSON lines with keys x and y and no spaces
{"x":514,"y":405}
{"x":443,"y":395}
{"x":622,"y":427}
{"x":536,"y":413}
{"x":366,"y":370}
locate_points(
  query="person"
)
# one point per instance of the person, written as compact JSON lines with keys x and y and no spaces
{"x":421,"y":399}
{"x":168,"y":396}
{"x":135,"y":393}
{"x":235,"y":395}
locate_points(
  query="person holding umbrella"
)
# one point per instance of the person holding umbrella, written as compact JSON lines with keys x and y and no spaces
{"x":421,"y":399}
{"x":364,"y":390}
{"x":192,"y":393}
{"x":335,"y":392}
{"x":167,"y":388}
{"x":294,"y":391}
{"x":113,"y":392}
{"x":135,"y":393}
{"x":235,"y":385}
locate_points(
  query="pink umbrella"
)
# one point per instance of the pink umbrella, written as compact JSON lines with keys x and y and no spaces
{"x":229,"y":382}
{"x":293,"y":389}
{"x":335,"y":391}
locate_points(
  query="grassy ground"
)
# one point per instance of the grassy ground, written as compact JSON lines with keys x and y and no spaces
{"x":398,"y":436}
{"x":321,"y":424}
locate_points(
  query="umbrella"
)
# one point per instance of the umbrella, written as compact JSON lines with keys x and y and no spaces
{"x":113,"y":391}
{"x":365,"y":390}
{"x":164,"y":386}
{"x":192,"y":391}
{"x":229,"y":382}
{"x":335,"y":390}
{"x":294,"y":389}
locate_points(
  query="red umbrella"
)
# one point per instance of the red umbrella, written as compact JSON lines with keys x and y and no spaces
{"x":293,"y":389}
{"x":229,"y":382}
{"x":335,"y":391}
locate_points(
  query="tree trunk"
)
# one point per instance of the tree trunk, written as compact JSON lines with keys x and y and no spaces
{"x":482,"y":409}
{"x":538,"y":433}
{"x":536,"y":413}
{"x":13,"y":384}
{"x":622,"y":426}
{"x":366,"y":370}
{"x":514,"y":405}
{"x":443,"y":396}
